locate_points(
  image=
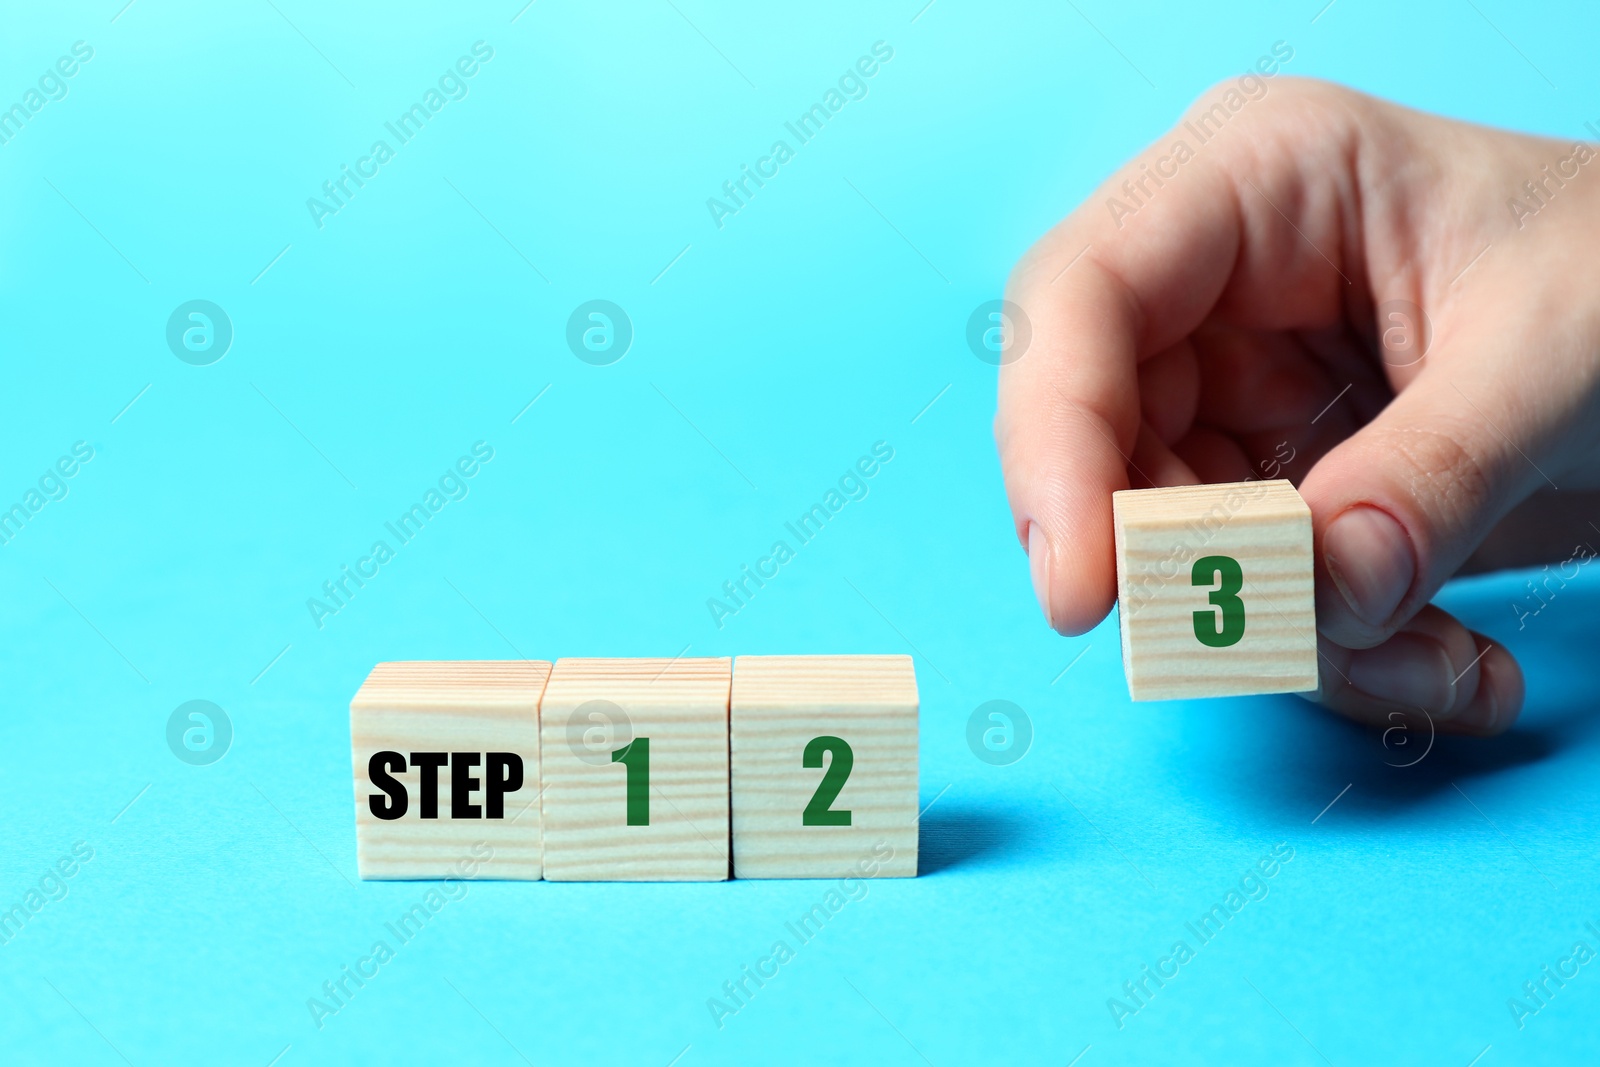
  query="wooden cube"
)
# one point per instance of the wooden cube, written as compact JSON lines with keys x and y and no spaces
{"x":446,"y":760}
{"x":1214,"y":588}
{"x":636,"y":770}
{"x":824,"y":766}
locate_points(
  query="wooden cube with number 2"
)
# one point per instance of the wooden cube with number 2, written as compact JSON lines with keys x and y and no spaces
{"x":824,"y":766}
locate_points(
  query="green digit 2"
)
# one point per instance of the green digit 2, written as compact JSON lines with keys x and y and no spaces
{"x":636,"y":757}
{"x":819,"y":812}
{"x":1225,"y":626}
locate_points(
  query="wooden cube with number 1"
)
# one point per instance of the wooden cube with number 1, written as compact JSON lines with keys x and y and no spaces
{"x":1214,"y":590}
{"x":635,"y":770}
{"x":824,"y":766}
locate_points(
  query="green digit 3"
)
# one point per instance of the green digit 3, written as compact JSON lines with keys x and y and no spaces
{"x":1224,"y":626}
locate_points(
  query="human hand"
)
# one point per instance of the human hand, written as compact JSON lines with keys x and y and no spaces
{"x":1219,"y":321}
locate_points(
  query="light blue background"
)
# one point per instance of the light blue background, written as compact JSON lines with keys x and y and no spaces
{"x":822,"y":318}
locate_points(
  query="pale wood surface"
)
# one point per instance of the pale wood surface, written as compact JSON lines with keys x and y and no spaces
{"x":478,"y":706}
{"x":682,"y":706}
{"x":1266,"y":526}
{"x":779,"y":704}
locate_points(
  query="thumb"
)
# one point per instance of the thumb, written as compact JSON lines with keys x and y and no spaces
{"x":1399,"y":506}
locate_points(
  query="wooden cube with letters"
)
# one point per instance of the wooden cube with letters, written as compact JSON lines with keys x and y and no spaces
{"x":824,"y":753}
{"x":635,"y":770}
{"x":1214,"y":590}
{"x":446,"y":760}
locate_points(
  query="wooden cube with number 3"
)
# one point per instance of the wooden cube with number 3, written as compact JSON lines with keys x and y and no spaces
{"x":635,"y":770}
{"x":1214,"y":590}
{"x":824,"y":766}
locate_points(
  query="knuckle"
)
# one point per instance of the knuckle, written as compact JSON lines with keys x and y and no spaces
{"x":1274,"y":115}
{"x":1001,"y":428}
{"x":1029,"y":267}
{"x":1445,"y":474}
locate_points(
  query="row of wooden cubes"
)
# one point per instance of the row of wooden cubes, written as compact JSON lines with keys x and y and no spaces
{"x":637,"y":769}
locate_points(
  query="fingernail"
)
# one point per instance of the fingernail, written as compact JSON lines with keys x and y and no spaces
{"x":1369,"y":557}
{"x":1410,"y":669}
{"x":1487,"y":716}
{"x":1039,"y":567}
{"x":1485,"y":711}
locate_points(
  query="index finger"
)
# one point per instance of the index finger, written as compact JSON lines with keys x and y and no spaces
{"x":1187,"y":228}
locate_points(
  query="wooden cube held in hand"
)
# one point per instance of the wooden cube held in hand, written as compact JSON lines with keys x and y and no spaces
{"x":635,"y":770}
{"x":824,"y":766}
{"x":1214,"y":590}
{"x":446,"y":760}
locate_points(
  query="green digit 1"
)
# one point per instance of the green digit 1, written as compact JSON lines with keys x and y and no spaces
{"x":1225,"y":626}
{"x":636,"y":757}
{"x":819,"y":812}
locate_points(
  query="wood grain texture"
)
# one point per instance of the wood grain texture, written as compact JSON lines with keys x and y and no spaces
{"x":779,"y":704}
{"x":479,"y":706}
{"x":593,"y":707}
{"x":1160,"y":533}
